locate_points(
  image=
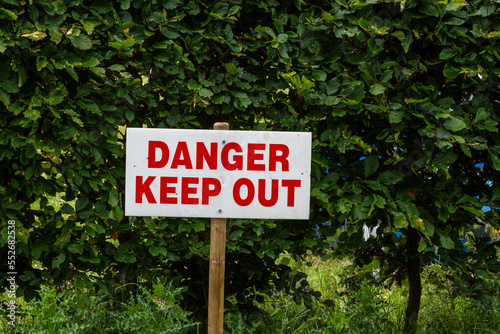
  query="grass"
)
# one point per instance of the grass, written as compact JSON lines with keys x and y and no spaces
{"x":346,"y":305}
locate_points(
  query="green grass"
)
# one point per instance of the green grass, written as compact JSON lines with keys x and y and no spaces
{"x":346,"y":305}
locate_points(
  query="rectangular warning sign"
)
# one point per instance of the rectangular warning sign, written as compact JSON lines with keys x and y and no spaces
{"x":208,"y":173}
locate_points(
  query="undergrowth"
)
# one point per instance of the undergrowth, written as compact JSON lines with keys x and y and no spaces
{"x":345,"y":305}
{"x":350,"y":305}
{"x":154,"y":310}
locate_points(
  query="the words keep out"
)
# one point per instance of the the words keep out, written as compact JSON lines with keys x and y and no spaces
{"x":251,"y":157}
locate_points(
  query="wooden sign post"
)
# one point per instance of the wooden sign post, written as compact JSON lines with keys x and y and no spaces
{"x":217,"y":174}
{"x":217,"y":267}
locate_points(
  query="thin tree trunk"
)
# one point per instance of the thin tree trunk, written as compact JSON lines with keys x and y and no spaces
{"x":413,"y":270}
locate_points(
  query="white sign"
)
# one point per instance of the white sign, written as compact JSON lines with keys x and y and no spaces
{"x":216,"y":173}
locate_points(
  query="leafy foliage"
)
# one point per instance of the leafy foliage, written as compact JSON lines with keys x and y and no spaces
{"x":401,"y":98}
{"x":154,"y":310}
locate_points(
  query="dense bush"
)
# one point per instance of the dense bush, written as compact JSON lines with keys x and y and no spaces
{"x":154,"y":310}
{"x":401,"y":98}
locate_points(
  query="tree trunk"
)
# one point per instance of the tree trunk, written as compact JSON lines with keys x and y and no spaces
{"x":413,"y":270}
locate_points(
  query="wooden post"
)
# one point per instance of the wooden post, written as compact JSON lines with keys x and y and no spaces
{"x":217,"y":267}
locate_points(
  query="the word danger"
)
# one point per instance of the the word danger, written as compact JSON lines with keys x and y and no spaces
{"x":232,"y":156}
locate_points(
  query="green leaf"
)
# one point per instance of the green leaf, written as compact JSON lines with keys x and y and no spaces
{"x":94,"y":135}
{"x":444,"y":159}
{"x":71,"y":71}
{"x":455,"y":21}
{"x":117,"y":45}
{"x":446,"y":242}
{"x":485,"y":9}
{"x":327,"y":17}
{"x":91,"y":62}
{"x":481,"y":115}
{"x":429,"y":9}
{"x":98,"y":228}
{"x":371,"y":165}
{"x":400,"y":35}
{"x":67,"y":132}
{"x":390,"y":177}
{"x":310,"y":242}
{"x":421,"y":245}
{"x":400,"y":221}
{"x":218,"y":99}
{"x":267,"y":30}
{"x":355,"y":98}
{"x":245,"y":101}
{"x":172,"y":4}
{"x":155,"y":250}
{"x":319,"y":75}
{"x":88,"y":26}
{"x":454,"y":124}
{"x":113,"y":198}
{"x":75,"y":248}
{"x":204,"y":92}
{"x":236,"y":235}
{"x":67,"y":209}
{"x":28,"y":173}
{"x":450,"y":72}
{"x":91,"y":106}
{"x":377,"y":89}
{"x":129,"y":115}
{"x":41,"y":63}
{"x":428,"y":228}
{"x":126,"y":258}
{"x":474,"y":211}
{"x":446,"y":102}
{"x":60,"y":7}
{"x":58,"y":260}
{"x":496,"y":194}
{"x":129,"y":42}
{"x":10,"y":86}
{"x":117,"y":67}
{"x":495,"y":161}
{"x":173,"y":257}
{"x":407,"y":42}
{"x":230,"y":68}
{"x":12,"y":16}
{"x":379,"y":201}
{"x":81,"y":202}
{"x":442,"y":133}
{"x":123,"y":93}
{"x":55,"y":34}
{"x":447,"y":53}
{"x":396,"y":116}
{"x":36,"y":250}
{"x":363,"y":210}
{"x":282,"y":38}
{"x":81,"y":42}
{"x":193,"y":85}
{"x":4,"y":97}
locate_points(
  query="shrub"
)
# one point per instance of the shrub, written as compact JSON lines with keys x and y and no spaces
{"x":154,"y":310}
